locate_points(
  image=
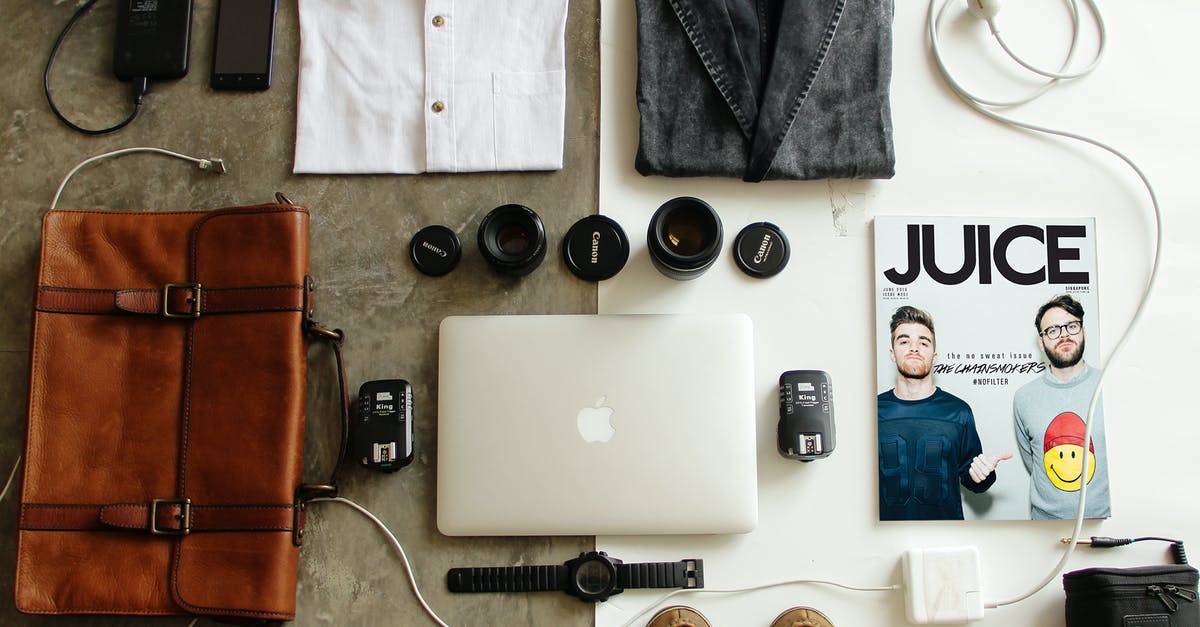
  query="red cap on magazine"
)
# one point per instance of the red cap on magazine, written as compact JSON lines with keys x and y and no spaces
{"x":1066,"y":428}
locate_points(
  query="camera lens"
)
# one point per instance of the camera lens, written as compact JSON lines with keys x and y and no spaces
{"x":684,"y":238}
{"x":512,"y":239}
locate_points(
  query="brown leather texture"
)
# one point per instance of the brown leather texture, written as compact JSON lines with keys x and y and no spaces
{"x":166,"y":414}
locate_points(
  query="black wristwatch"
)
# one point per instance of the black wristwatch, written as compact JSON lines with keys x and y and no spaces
{"x":592,"y":576}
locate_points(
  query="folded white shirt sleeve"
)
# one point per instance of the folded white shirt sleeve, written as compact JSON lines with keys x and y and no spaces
{"x":409,"y":86}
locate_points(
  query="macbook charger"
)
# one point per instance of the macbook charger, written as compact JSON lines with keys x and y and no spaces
{"x":943,"y":585}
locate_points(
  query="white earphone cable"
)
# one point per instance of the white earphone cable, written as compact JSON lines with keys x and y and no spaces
{"x":395,"y":545}
{"x":764,"y":586}
{"x":935,"y":20}
{"x":982,"y":106}
{"x":1101,"y":32}
{"x":216,"y":165}
{"x":12,"y":475}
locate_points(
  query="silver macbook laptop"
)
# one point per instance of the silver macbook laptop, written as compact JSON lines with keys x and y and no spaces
{"x":596,"y":425}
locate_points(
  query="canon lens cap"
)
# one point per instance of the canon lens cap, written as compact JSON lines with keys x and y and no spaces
{"x":761,"y":250}
{"x":435,"y":250}
{"x":595,"y":248}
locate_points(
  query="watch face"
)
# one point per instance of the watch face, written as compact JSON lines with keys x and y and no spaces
{"x":593,"y":577}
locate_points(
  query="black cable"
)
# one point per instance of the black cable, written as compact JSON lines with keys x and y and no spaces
{"x":1102,"y":542}
{"x":1177,"y":551}
{"x":140,"y":84}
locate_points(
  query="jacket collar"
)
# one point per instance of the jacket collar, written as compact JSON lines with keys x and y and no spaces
{"x":763,"y":57}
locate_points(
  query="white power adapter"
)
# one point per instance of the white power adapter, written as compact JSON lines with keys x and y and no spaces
{"x":943,"y":585}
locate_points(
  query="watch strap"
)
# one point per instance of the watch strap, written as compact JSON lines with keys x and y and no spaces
{"x":686,"y":574}
{"x":508,"y":579}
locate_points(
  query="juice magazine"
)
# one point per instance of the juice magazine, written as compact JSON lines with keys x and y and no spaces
{"x":987,"y":333}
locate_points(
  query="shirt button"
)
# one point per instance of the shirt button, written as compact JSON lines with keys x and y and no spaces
{"x":438,"y":20}
{"x":438,"y":106}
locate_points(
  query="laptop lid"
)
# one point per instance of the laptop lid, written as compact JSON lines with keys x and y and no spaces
{"x":596,"y":425}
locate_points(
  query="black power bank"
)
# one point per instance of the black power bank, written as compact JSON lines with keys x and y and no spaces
{"x":153,"y":39}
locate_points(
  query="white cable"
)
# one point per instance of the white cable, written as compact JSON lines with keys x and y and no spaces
{"x":754,"y":588}
{"x":12,"y":475}
{"x":1055,"y":77}
{"x":980,"y":105}
{"x":395,"y":545}
{"x":1102,"y":42}
{"x":216,"y":165}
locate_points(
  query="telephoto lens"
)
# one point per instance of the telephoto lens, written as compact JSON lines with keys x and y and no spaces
{"x":512,"y":239}
{"x":684,"y":238}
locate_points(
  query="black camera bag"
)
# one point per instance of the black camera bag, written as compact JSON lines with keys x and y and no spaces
{"x":1146,"y":596}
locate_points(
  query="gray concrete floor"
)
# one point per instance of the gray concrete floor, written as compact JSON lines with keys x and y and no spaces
{"x":361,"y":226}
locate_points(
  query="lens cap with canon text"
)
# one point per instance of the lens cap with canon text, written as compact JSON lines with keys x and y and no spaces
{"x":595,"y":248}
{"x":761,"y":250}
{"x":435,"y":250}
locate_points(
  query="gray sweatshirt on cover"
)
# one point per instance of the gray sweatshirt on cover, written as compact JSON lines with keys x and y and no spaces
{"x":1049,"y":419}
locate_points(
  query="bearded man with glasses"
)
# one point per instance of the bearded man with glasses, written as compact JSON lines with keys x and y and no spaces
{"x":1049,"y":414}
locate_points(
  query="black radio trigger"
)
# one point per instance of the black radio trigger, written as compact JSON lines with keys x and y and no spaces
{"x":383,"y":428}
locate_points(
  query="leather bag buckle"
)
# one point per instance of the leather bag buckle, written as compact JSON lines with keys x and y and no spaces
{"x":184,"y":517}
{"x":194,"y":300}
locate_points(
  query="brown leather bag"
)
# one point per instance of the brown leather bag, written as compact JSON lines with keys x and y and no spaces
{"x":166,"y":414}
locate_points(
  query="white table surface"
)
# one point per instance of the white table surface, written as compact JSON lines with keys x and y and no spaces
{"x":819,"y":520}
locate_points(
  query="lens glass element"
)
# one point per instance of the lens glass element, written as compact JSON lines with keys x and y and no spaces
{"x":684,"y":237}
{"x":687,"y":230}
{"x":512,"y":239}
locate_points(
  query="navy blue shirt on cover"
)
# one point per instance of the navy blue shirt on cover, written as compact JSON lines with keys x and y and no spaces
{"x":925,"y":450}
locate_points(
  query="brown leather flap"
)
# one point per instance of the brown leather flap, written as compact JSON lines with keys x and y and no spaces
{"x":243,"y":431}
{"x":142,"y":423}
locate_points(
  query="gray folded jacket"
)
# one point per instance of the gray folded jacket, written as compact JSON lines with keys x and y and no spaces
{"x":765,"y":89}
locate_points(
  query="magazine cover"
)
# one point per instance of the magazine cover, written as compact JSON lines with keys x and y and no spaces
{"x":987,"y":333}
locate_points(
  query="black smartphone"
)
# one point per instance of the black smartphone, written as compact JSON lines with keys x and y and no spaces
{"x":244,"y":44}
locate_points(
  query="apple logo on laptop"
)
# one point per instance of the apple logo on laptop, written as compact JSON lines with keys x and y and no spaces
{"x":595,"y":423}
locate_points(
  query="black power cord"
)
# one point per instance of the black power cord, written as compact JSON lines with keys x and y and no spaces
{"x":1102,"y":542}
{"x":140,"y":84}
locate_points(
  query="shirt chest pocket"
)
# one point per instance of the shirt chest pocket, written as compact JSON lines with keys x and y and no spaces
{"x":528,"y":111}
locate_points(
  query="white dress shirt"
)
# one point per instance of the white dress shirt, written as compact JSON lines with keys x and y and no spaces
{"x":407,"y":86}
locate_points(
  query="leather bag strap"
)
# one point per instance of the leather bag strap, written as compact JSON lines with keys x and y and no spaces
{"x":182,"y":300}
{"x":160,"y":517}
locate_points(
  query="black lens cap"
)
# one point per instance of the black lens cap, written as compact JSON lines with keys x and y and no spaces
{"x":595,"y":248}
{"x":761,"y":250}
{"x":435,"y":250}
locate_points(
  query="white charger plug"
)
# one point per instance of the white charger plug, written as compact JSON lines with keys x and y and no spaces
{"x":943,"y":585}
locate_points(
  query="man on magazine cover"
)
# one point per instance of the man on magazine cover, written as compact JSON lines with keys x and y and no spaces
{"x":1049,"y":412}
{"x":928,"y":444}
